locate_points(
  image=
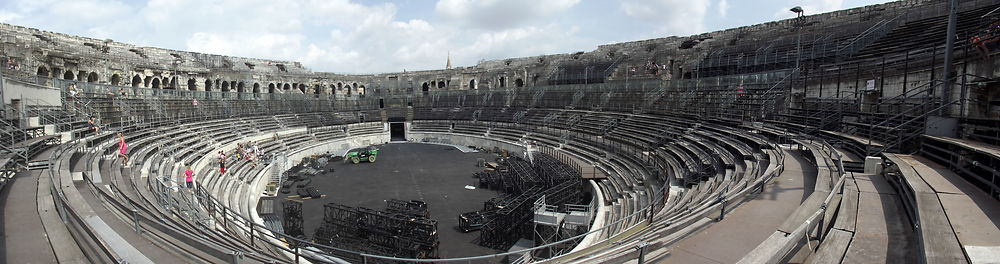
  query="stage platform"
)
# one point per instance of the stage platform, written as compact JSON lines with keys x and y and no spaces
{"x":436,"y":174}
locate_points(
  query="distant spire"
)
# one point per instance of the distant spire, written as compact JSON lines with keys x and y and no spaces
{"x":448,"y":66}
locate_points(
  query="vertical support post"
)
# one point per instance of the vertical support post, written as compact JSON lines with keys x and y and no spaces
{"x":949,"y":48}
{"x":135,"y":220}
{"x":252,"y":245}
{"x":641,"y":248}
{"x":235,"y":257}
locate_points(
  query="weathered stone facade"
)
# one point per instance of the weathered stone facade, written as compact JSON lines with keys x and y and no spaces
{"x":57,"y":55}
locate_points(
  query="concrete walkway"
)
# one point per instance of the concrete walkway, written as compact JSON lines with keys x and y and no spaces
{"x":746,"y":227}
{"x":24,"y":237}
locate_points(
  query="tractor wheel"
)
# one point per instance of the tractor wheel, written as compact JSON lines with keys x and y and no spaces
{"x":371,"y":159}
{"x":355,"y":160}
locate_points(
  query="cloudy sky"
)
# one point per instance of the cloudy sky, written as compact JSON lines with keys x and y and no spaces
{"x":349,"y":36}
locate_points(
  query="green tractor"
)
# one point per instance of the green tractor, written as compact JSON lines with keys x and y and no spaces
{"x":362,"y":154}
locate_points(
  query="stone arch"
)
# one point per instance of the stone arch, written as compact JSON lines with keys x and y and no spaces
{"x":503,"y":82}
{"x":192,"y":85}
{"x":286,"y":87}
{"x":208,"y":85}
{"x":92,"y":77}
{"x":270,"y":88}
{"x":519,"y":82}
{"x":225,"y":86}
{"x":472,"y":84}
{"x":425,"y":87}
{"x":116,"y":79}
{"x":172,"y":84}
{"x":256,"y":88}
{"x":340,"y":86}
{"x":302,"y":88}
{"x":240,"y":88}
{"x":68,"y":75}
{"x":317,"y":89}
{"x":440,"y":85}
{"x":146,"y":81}
{"x":81,"y":76}
{"x":42,"y":71}
{"x":361,"y":90}
{"x":155,"y":83}
{"x":136,"y":81}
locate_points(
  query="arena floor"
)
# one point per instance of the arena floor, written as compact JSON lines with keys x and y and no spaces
{"x":435,"y":174}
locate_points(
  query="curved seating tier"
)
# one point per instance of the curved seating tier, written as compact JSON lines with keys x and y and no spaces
{"x":641,"y":155}
{"x":641,"y":158}
{"x":661,"y":178}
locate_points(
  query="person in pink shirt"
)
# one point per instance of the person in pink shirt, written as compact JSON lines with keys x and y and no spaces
{"x":122,"y":149}
{"x":189,"y":177}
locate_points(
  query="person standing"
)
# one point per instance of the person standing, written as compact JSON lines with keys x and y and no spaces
{"x":122,"y":149}
{"x":189,"y":178}
{"x":222,"y":163}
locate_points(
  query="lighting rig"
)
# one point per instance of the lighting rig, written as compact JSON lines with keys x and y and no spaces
{"x":507,"y":218}
{"x":392,"y":232}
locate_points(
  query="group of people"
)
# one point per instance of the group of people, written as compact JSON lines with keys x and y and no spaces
{"x":987,"y":40}
{"x":12,"y":65}
{"x":248,"y":151}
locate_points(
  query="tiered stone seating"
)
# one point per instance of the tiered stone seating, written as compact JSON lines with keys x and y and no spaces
{"x":627,"y":190}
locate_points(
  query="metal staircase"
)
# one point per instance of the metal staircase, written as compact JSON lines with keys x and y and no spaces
{"x":895,"y":133}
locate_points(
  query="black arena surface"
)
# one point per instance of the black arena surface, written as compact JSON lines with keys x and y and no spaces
{"x":435,"y":174}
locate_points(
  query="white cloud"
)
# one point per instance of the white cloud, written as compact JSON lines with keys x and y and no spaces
{"x":723,"y":8}
{"x":6,"y":16}
{"x":677,"y":17}
{"x":501,"y":14}
{"x":352,"y":36}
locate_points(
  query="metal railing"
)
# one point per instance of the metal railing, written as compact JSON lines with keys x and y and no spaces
{"x":800,"y":235}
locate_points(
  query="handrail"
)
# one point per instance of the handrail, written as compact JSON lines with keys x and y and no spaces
{"x":786,"y":247}
{"x":228,"y":213}
{"x":68,"y":213}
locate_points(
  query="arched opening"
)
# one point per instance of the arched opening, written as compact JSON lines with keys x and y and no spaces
{"x":116,"y":79}
{"x":302,"y":88}
{"x":225,"y":86}
{"x":208,"y":85}
{"x":425,"y":87}
{"x":317,"y":89}
{"x":156,"y":83}
{"x":80,"y":76}
{"x":146,"y":81}
{"x":240,"y":88}
{"x":340,"y":87}
{"x":440,"y":85}
{"x":503,"y":82}
{"x":136,"y":81}
{"x":270,"y":88}
{"x":92,"y":77}
{"x":172,"y":84}
{"x":518,"y":82}
{"x":256,"y":88}
{"x":472,"y":84}
{"x":286,"y":87}
{"x":42,"y":71}
{"x":361,"y":90}
{"x":68,"y":75}
{"x":192,"y":85}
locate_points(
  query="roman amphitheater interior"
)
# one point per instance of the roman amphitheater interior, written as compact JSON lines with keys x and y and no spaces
{"x":864,"y":135}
